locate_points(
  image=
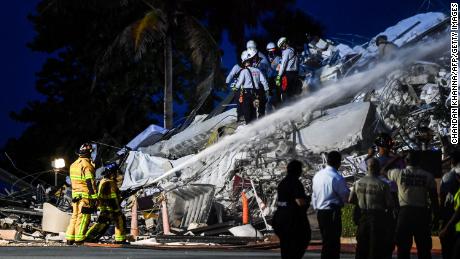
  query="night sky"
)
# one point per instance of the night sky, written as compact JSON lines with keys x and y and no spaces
{"x":18,"y":64}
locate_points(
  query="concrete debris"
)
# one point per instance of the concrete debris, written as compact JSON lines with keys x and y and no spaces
{"x":54,"y":220}
{"x":245,"y":231}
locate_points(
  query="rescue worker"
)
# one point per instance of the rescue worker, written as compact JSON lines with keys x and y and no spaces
{"x":414,"y":218}
{"x":387,"y":50}
{"x":251,"y":45}
{"x":261,"y":62}
{"x":287,"y":74}
{"x":448,"y":189}
{"x":231,"y":80}
{"x":83,"y":195}
{"x":330,"y":193}
{"x":290,"y":220}
{"x":249,"y":82}
{"x":453,"y":225}
{"x":275,"y":91}
{"x":109,"y":207}
{"x":373,"y":197}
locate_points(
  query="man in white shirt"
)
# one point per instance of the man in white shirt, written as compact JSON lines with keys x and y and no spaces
{"x":330,"y":193}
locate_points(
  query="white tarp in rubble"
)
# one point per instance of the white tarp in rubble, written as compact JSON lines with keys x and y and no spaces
{"x":147,"y":137}
{"x":141,"y":167}
{"x":194,"y":138}
{"x":341,"y":128}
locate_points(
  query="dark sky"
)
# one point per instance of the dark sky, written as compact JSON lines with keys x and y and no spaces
{"x":18,"y":64}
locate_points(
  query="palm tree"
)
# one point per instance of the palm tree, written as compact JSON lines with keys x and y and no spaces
{"x":165,"y":24}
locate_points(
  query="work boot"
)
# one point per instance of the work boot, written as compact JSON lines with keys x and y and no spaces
{"x":69,"y":242}
{"x":121,"y":242}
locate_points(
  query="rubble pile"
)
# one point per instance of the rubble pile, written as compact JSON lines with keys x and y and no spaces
{"x":409,"y":98}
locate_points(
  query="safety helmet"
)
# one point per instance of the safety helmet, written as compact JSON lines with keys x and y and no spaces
{"x":384,"y":140}
{"x":85,"y":149}
{"x":381,"y":39}
{"x":281,"y":41}
{"x":271,"y":46}
{"x":248,"y":54}
{"x":251,"y":45}
{"x":110,"y":168}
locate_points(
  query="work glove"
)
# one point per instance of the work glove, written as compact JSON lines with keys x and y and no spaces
{"x":256,"y":103}
{"x":278,"y":80}
{"x":233,"y":87}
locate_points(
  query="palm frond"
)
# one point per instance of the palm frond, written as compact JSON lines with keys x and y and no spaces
{"x":152,"y":22}
{"x":204,"y":49}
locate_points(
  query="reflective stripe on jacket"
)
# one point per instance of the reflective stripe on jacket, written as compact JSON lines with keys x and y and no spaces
{"x":456,"y":207}
{"x":82,"y":178}
{"x":108,"y":195}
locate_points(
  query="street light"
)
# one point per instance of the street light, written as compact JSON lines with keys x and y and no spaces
{"x":57,"y":165}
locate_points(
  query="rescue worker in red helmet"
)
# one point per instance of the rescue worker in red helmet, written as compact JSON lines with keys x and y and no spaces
{"x":82,"y":177}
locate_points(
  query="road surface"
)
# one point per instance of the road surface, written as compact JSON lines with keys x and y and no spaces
{"x":135,"y":253}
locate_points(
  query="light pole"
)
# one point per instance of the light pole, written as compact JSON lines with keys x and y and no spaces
{"x":57,"y":165}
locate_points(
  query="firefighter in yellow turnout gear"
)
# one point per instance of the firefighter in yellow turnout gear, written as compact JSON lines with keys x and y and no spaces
{"x":109,"y":206}
{"x":83,"y":195}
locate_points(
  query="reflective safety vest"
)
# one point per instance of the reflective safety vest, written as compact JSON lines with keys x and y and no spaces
{"x":456,"y":207}
{"x":108,"y":195}
{"x":82,"y":177}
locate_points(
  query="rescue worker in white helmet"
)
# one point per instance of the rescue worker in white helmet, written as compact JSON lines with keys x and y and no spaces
{"x":260,"y":61}
{"x":109,"y":206}
{"x":275,"y":60}
{"x":287,"y":74}
{"x":231,"y":80}
{"x":84,"y":197}
{"x":249,"y":82}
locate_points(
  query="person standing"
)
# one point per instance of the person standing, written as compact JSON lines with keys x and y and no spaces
{"x":452,"y":227}
{"x":330,"y":193}
{"x":231,"y":80}
{"x":275,"y":91}
{"x":260,"y":62}
{"x":290,"y":220}
{"x":415,"y":186}
{"x":84,"y":195}
{"x":387,"y":49}
{"x":448,"y":189}
{"x":249,"y":81}
{"x":373,"y":197}
{"x":109,"y":207}
{"x":288,"y":72}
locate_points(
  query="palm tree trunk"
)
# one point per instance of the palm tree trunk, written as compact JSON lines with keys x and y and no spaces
{"x":168,"y":97}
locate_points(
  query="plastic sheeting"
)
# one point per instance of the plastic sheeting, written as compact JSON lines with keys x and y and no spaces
{"x":148,"y":137}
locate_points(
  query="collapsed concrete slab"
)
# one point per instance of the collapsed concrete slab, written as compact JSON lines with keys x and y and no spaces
{"x":347,"y":126}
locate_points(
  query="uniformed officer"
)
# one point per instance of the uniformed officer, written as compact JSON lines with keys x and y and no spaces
{"x":83,"y":195}
{"x":415,"y":186}
{"x":448,"y":189}
{"x":109,"y":207}
{"x":387,"y":160}
{"x":288,"y":70}
{"x":275,"y":60}
{"x":259,"y":61}
{"x":373,"y":197}
{"x":453,"y":225}
{"x":249,"y":82}
{"x":290,"y":220}
{"x":231,"y":80}
{"x":330,"y":193}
